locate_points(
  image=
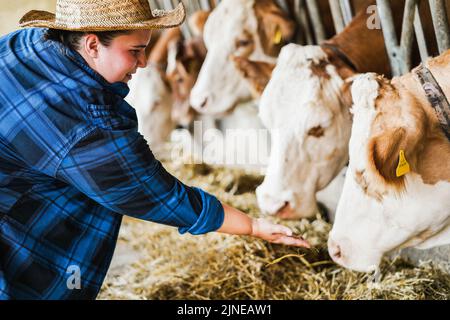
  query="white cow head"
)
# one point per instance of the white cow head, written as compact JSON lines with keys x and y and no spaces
{"x":243,"y":28}
{"x":379,"y":211}
{"x":150,"y":95}
{"x":305,"y":109}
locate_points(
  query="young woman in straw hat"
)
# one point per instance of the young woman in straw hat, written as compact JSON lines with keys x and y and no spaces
{"x":71,"y":160}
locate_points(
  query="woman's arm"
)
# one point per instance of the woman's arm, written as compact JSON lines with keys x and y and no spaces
{"x":238,"y":223}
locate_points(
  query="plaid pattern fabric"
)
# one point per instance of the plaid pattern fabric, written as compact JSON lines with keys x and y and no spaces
{"x":71,"y":165}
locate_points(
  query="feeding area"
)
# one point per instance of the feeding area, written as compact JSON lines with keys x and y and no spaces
{"x":156,"y":262}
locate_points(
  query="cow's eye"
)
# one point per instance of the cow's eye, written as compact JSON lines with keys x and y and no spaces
{"x":317,"y":131}
{"x":243,"y":43}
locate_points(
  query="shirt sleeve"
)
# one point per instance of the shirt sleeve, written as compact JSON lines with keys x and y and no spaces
{"x":117,"y":169}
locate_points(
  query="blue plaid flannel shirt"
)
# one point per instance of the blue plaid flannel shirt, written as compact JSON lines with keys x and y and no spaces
{"x":71,"y":165}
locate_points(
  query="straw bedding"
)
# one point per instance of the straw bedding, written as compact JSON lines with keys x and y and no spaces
{"x":155,"y":262}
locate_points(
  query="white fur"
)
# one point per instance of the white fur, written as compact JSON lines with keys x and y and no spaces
{"x":219,"y":81}
{"x":365,"y":228}
{"x":294,"y":101}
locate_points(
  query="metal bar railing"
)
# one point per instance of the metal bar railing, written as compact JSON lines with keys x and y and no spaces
{"x":399,"y":54}
{"x":338,"y":18}
{"x":440,"y":22}
{"x":314,"y":14}
{"x":346,"y":9}
{"x":420,"y":36}
{"x":300,"y":14}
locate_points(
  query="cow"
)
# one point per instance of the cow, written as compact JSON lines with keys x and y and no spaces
{"x":160,"y":92}
{"x":254,"y":29}
{"x":306,"y":108}
{"x":185,"y":59}
{"x":243,"y":28}
{"x":397,"y":188}
{"x":151,"y":96}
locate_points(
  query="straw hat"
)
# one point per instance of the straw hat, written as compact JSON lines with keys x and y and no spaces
{"x":104,"y":15}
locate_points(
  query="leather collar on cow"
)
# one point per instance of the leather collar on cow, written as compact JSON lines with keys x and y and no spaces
{"x":436,"y":97}
{"x":340,"y":55}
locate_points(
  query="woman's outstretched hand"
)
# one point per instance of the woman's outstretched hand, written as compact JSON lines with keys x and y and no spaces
{"x":276,"y":233}
{"x":238,"y":223}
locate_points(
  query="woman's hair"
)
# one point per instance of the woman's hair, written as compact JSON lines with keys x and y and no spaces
{"x":72,"y":39}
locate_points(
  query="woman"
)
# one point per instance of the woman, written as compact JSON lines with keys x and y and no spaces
{"x":71,"y":160}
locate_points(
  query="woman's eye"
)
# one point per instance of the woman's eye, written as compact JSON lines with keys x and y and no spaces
{"x":135,"y":52}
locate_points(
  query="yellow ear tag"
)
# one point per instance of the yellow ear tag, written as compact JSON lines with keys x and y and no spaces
{"x":403,"y":165}
{"x":278,"y":36}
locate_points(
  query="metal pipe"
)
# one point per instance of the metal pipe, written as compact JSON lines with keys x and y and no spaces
{"x":440,"y":22}
{"x":205,"y":5}
{"x":283,"y":5}
{"x":420,"y":36}
{"x":347,"y":12}
{"x":314,"y":13}
{"x":336,"y":12}
{"x":305,"y":35}
{"x":390,"y":37}
{"x":407,"y":37}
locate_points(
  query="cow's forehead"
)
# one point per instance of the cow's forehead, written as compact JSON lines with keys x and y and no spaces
{"x":299,"y":90}
{"x":365,"y":91}
{"x":229,"y":20}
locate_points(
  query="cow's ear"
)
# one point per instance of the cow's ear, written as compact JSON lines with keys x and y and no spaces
{"x":387,"y":152}
{"x":197,"y":21}
{"x":257,"y":73}
{"x":275,"y":27}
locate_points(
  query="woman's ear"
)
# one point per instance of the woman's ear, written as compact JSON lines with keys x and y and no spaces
{"x":90,"y":45}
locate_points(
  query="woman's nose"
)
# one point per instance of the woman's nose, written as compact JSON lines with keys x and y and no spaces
{"x":142,"y":60}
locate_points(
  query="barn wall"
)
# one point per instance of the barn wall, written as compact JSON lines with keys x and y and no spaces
{"x":12,"y":11}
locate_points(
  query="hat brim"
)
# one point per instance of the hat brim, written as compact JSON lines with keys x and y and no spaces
{"x":45,"y":19}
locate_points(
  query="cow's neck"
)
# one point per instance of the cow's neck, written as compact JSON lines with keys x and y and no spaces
{"x":440,"y":68}
{"x":362,"y":46}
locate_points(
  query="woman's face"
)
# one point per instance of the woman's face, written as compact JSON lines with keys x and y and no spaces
{"x":120,"y":60}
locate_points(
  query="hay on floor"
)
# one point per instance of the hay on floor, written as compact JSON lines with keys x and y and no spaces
{"x":161,"y":264}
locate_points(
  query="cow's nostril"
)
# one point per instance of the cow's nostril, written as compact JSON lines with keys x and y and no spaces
{"x":203,"y":104}
{"x":334,"y":250}
{"x":337,"y":254}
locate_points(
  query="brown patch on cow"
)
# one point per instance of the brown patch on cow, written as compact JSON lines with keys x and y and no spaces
{"x":319,"y":69}
{"x":272,"y":18}
{"x":257,"y":73}
{"x":245,"y":45}
{"x":197,"y":22}
{"x":190,"y":55}
{"x":316,"y":132}
{"x":365,"y":47}
{"x":406,"y":121}
{"x":384,"y":153}
{"x":159,"y":52}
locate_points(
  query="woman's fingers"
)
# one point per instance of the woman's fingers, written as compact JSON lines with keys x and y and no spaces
{"x":282,"y":229}
{"x":292,"y":241}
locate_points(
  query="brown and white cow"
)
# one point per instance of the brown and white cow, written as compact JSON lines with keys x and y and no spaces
{"x":382,"y":208}
{"x":306,"y":107}
{"x":185,"y":59}
{"x":160,"y":92}
{"x":255,"y":29}
{"x":150,"y":93}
